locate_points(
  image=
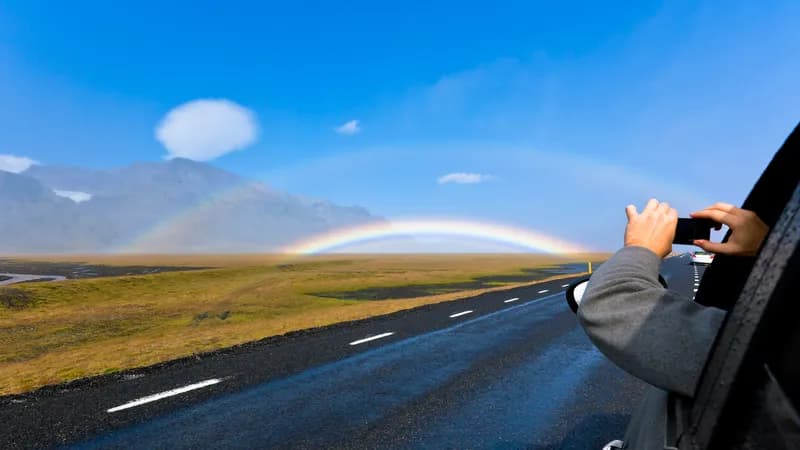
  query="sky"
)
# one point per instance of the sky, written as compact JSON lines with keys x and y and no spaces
{"x":549,"y":116}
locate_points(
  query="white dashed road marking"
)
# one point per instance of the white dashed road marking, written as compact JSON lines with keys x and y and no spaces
{"x":165,"y":394}
{"x":462,"y":313}
{"x":511,"y":300}
{"x":564,"y":285}
{"x":372,"y":338}
{"x":542,"y":291}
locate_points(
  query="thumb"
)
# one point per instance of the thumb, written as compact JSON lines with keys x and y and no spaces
{"x":630,"y":211}
{"x":713,"y":247}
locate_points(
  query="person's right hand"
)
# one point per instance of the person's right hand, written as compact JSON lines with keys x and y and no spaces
{"x":747,"y":230}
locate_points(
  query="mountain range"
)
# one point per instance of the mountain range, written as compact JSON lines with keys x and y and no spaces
{"x":173,"y":206}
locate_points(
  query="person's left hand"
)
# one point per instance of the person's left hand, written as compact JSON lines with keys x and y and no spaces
{"x":653,"y":229}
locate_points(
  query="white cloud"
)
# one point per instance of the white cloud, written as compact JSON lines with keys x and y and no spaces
{"x":206,"y":129}
{"x":75,"y":196}
{"x":15,"y":164}
{"x":463,"y":178}
{"x":348,"y":128}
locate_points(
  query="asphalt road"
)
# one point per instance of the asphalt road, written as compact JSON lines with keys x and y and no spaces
{"x":501,"y":370}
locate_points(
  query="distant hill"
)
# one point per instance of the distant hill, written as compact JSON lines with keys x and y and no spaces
{"x":173,"y":206}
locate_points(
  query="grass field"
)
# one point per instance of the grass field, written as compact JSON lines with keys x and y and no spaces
{"x":78,"y":328}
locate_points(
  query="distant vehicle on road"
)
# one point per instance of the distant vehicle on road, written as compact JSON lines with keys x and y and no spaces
{"x":701,"y":257}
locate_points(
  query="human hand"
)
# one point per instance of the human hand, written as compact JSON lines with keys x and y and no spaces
{"x":747,"y":230}
{"x":653,"y":229}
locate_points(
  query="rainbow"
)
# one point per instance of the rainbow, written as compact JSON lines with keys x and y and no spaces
{"x":169,"y":230}
{"x":518,"y":237}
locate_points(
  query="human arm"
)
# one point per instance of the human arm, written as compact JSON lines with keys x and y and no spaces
{"x":650,"y":332}
{"x":653,"y":333}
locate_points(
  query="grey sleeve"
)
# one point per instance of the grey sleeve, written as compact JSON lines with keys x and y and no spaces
{"x":652,"y":333}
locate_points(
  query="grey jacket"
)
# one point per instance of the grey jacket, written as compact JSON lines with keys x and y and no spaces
{"x":652,"y":333}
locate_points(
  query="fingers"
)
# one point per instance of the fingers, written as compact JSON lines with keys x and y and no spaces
{"x":630,"y":211}
{"x":713,"y":247}
{"x":673,"y":213}
{"x":717,"y":216}
{"x":722,"y":206}
{"x":651,"y":206}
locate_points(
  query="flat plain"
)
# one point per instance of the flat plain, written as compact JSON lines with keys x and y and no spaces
{"x":60,"y":331}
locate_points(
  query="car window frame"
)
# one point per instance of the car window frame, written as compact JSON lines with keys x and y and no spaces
{"x":695,"y":422}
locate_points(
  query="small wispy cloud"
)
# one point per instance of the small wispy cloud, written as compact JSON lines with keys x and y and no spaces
{"x":463,"y":178}
{"x":75,"y":196}
{"x":349,"y":128}
{"x":15,"y":164}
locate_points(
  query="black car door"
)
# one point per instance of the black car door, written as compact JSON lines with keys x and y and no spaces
{"x":748,"y":396}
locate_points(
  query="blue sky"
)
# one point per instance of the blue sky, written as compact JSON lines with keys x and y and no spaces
{"x":568,"y":111}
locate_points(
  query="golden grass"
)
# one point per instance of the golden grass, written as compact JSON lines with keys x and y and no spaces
{"x":87,"y":327}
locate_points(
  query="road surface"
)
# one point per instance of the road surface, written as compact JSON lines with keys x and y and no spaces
{"x":502,"y":370}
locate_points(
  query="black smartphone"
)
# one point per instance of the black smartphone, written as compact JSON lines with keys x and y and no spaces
{"x":690,"y":229}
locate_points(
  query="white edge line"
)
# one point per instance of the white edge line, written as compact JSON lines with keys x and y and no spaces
{"x":511,"y":300}
{"x":462,"y":313}
{"x":542,"y":291}
{"x":372,"y":338}
{"x":165,"y":394}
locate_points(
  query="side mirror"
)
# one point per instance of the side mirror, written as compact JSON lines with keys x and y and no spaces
{"x":576,"y":290}
{"x":575,"y":294}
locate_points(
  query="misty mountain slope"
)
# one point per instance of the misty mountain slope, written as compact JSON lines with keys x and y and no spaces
{"x":173,"y":206}
{"x":33,"y":218}
{"x":176,"y":175}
